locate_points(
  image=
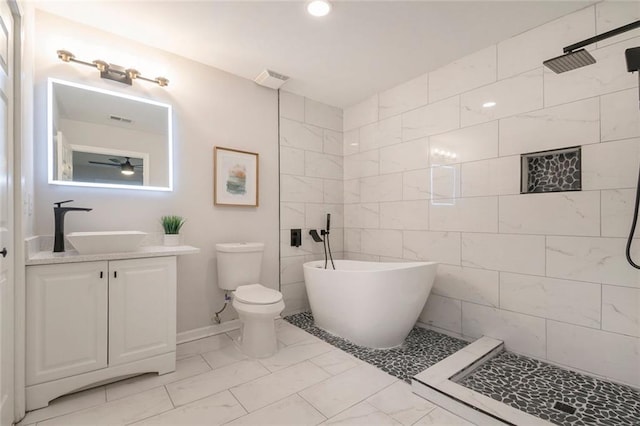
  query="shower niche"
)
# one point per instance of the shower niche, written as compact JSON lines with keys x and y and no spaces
{"x":556,"y":170}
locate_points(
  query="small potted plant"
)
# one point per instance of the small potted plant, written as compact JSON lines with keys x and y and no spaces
{"x":172,"y":225}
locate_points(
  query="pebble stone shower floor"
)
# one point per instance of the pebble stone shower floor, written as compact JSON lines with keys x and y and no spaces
{"x":534,"y":387}
{"x":420,"y":350}
{"x":526,"y":384}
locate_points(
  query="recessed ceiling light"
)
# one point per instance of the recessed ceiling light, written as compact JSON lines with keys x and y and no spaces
{"x":319,"y":7}
{"x":488,"y":104}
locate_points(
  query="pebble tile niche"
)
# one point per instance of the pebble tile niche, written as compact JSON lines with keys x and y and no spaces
{"x":551,"y":393}
{"x":552,"y":171}
{"x":420,"y":350}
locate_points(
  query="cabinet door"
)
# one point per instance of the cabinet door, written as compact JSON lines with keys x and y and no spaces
{"x":66,"y":320}
{"x":142,"y":308}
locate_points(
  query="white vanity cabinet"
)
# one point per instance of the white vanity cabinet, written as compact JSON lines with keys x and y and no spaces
{"x":142,"y":308}
{"x":66,"y":320}
{"x":91,"y":322}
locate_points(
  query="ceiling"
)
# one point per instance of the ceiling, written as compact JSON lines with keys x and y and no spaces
{"x":361,"y":48}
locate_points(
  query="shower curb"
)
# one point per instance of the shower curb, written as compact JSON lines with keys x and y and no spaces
{"x":437,"y":384}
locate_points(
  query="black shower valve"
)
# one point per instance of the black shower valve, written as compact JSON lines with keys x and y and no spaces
{"x":296,"y":237}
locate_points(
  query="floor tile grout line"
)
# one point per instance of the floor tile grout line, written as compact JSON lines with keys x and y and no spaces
{"x":247,"y":412}
{"x":169,"y":394}
{"x":64,"y":414}
{"x":156,"y":414}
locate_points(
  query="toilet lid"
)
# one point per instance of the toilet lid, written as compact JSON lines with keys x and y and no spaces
{"x":257,"y":294}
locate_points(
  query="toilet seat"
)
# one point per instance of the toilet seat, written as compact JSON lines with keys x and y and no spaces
{"x":257,"y":294}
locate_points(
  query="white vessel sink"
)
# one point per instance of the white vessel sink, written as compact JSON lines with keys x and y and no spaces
{"x":106,"y":242}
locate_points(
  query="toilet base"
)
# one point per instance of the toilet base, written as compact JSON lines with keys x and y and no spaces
{"x":258,"y":329}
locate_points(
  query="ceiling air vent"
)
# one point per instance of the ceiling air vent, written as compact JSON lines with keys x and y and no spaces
{"x":121,"y":119}
{"x":271,"y":79}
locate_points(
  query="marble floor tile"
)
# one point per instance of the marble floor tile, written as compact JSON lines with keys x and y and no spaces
{"x":342,"y":391}
{"x":336,"y":362}
{"x":185,"y":367}
{"x":224,"y":356}
{"x":295,"y":353}
{"x":289,"y":334}
{"x":213,"y":410}
{"x":441,"y":417}
{"x":190,"y":389}
{"x":292,"y":411}
{"x":120,"y":412}
{"x":400,"y":403}
{"x":199,"y":346}
{"x":66,"y":404}
{"x":269,"y":389}
{"x":361,"y":414}
{"x":234,"y":334}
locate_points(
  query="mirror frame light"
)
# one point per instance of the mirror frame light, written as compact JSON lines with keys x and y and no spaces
{"x":50,"y":172}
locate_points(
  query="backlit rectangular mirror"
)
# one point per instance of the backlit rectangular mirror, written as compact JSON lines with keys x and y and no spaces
{"x":100,"y":138}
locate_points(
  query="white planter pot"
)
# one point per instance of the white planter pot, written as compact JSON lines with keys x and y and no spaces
{"x":171,"y":239}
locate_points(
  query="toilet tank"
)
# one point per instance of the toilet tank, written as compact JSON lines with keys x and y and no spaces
{"x":238,"y":264}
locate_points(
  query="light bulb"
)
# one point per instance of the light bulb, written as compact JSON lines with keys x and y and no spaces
{"x":319,"y":7}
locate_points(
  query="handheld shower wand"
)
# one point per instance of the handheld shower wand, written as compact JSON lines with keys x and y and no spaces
{"x":328,"y":244}
{"x":325,"y":241}
{"x":633,"y":64}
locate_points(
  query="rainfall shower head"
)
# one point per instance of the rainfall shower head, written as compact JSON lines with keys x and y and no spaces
{"x":569,"y":61}
{"x":576,"y":57}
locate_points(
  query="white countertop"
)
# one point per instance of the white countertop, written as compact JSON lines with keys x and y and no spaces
{"x":72,"y":256}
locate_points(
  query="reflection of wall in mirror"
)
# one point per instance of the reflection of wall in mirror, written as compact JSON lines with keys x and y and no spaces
{"x":114,"y":139}
{"x":64,"y":158}
{"x":85,"y":168}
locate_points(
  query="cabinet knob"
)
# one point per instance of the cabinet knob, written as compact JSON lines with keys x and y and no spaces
{"x":4,"y":252}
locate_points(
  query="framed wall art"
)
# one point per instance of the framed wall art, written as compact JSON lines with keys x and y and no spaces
{"x":235,"y":177}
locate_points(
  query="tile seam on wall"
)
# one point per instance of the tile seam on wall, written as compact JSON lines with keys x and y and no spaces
{"x":547,"y":237}
{"x":279,"y":118}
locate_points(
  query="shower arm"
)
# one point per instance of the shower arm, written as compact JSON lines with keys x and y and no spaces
{"x":603,"y":36}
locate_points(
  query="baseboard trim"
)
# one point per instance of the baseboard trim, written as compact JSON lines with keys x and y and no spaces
{"x":210,"y":330}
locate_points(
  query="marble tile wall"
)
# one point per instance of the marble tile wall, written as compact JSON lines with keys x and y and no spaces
{"x":431,"y":174}
{"x":311,"y":185}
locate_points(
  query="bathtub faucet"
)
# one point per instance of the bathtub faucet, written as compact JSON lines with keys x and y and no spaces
{"x":325,"y":241}
{"x":315,"y":236}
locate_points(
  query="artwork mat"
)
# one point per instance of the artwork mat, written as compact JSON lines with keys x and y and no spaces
{"x":223,"y":157}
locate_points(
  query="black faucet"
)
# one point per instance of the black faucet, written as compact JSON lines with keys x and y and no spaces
{"x":58,"y":214}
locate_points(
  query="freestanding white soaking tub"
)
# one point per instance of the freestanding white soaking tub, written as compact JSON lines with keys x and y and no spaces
{"x":372,"y":304}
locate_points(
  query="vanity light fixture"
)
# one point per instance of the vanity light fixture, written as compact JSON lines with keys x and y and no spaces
{"x":489,"y":104}
{"x":319,"y":8}
{"x":111,"y":71}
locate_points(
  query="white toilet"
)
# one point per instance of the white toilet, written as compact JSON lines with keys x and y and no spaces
{"x":239,"y":267}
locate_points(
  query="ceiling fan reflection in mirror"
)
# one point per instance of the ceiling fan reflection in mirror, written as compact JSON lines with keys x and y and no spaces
{"x":126,"y":168}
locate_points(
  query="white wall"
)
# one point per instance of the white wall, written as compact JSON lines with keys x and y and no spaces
{"x":544,"y":272}
{"x":211,"y":108}
{"x":310,"y":187}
